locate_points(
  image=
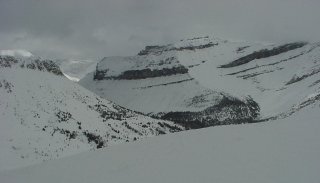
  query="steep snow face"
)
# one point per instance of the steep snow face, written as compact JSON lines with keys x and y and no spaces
{"x":75,"y":69}
{"x":285,"y":150}
{"x":45,"y":116}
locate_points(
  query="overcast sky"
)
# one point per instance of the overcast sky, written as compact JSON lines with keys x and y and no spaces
{"x":97,"y":28}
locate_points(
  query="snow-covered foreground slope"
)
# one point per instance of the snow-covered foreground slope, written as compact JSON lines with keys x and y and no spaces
{"x":44,"y":116}
{"x":282,"y":151}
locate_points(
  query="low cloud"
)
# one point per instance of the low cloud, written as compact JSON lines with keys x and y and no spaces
{"x":97,"y":28}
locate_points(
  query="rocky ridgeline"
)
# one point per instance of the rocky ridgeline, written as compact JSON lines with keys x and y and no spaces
{"x":30,"y":63}
{"x":160,"y":49}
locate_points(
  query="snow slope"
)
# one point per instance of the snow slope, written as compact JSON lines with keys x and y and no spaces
{"x":285,"y":150}
{"x":44,"y":116}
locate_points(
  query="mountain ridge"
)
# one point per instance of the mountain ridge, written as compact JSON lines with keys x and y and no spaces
{"x":44,"y":116}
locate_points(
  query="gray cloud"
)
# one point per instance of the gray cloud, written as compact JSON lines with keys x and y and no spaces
{"x":97,"y":28}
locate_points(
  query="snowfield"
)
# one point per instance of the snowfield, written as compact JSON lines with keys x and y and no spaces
{"x":279,"y":151}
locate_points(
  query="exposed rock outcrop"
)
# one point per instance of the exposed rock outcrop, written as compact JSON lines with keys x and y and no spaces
{"x":141,"y":74}
{"x":159,"y":49}
{"x":264,"y":54}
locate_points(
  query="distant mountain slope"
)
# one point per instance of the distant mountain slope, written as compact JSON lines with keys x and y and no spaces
{"x":45,"y":116}
{"x":276,"y":76}
{"x":156,"y":82}
{"x":188,"y":78}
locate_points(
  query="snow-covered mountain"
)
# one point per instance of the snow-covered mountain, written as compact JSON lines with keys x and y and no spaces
{"x":208,"y":81}
{"x":45,"y":116}
{"x":193,"y":83}
{"x":277,"y":76}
